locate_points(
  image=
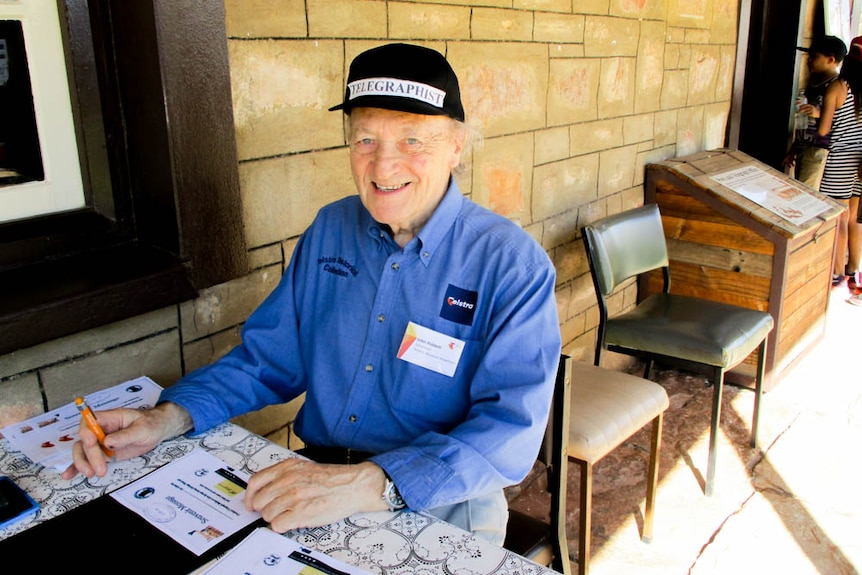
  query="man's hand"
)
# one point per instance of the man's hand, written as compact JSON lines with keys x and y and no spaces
{"x":130,"y":432}
{"x":298,"y":493}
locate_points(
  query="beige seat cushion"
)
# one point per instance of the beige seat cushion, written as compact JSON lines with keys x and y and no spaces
{"x":608,"y":407}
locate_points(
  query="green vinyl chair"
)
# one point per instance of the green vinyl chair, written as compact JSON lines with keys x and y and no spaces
{"x":693,"y":333}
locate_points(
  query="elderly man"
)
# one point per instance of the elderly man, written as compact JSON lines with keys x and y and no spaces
{"x":422,"y":328}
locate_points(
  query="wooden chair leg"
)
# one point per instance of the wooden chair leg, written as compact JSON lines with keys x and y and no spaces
{"x":713,"y":431}
{"x":584,"y":535}
{"x":652,"y":478}
{"x":758,"y":391}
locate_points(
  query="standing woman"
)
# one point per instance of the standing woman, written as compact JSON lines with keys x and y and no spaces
{"x":841,"y":122}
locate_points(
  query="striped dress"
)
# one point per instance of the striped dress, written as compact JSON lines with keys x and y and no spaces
{"x":840,"y":175}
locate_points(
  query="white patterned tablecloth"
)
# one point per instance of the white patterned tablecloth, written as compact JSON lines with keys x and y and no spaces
{"x":400,"y":543}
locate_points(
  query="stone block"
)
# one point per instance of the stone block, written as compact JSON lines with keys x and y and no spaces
{"x":690,"y":13}
{"x":724,"y":21}
{"x":501,"y":25}
{"x":703,"y":74}
{"x":282,"y":90}
{"x":650,"y":66}
{"x":638,"y":128}
{"x":617,"y":87}
{"x":664,"y":131}
{"x":541,"y":6}
{"x":503,"y":86}
{"x":590,"y":137}
{"x":563,"y":295}
{"x":347,"y":18}
{"x":726,"y":69}
{"x":566,"y":50}
{"x":157,"y":357}
{"x":570,"y":260}
{"x":265,"y":256}
{"x":551,"y":145}
{"x":281,"y":196}
{"x":564,"y":185}
{"x":689,"y":130}
{"x":671,"y":56}
{"x":648,"y":157}
{"x":601,"y":7}
{"x":560,"y":229}
{"x":616,"y":169}
{"x":208,"y":349}
{"x":693,"y":36}
{"x":271,"y":418}
{"x":674,"y":89}
{"x":20,"y":399}
{"x":226,"y":305}
{"x":265,"y":18}
{"x":429,"y":21}
{"x":608,"y":37}
{"x":714,"y":125}
{"x":503,"y":178}
{"x":645,"y":9}
{"x":558,"y":28}
{"x":87,"y":342}
{"x":573,"y":90}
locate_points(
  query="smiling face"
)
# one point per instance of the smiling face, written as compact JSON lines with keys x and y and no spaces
{"x":401,"y":164}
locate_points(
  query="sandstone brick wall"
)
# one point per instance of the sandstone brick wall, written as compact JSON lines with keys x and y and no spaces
{"x":573,"y":98}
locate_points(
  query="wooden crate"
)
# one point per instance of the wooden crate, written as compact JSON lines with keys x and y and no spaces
{"x":725,"y":247}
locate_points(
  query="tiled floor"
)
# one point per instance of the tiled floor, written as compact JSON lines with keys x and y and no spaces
{"x":793,"y":506}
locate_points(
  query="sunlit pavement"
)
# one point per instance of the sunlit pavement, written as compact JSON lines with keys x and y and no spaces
{"x":793,"y":506}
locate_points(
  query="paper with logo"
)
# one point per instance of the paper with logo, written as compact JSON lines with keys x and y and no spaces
{"x":197,"y":500}
{"x":265,"y":551}
{"x":47,"y":439}
{"x":430,"y":349}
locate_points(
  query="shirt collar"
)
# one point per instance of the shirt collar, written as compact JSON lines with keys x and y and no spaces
{"x":438,"y":225}
{"x":432,"y":233}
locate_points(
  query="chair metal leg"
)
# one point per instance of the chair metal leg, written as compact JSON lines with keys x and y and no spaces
{"x":758,"y":391}
{"x":713,"y":430}
{"x":652,"y":478}
{"x":584,"y":535}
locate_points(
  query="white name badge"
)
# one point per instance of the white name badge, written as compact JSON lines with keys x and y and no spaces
{"x":430,"y":349}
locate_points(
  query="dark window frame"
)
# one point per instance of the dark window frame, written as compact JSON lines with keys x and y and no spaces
{"x":150,"y":87}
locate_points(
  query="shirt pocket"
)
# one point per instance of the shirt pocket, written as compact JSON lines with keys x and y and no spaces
{"x":429,"y":401}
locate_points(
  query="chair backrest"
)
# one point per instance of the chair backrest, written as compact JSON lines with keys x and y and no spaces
{"x":527,"y":535}
{"x":625,"y":245}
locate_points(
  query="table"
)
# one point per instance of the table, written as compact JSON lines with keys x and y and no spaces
{"x":390,"y":543}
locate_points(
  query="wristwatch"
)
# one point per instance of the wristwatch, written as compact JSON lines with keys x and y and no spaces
{"x":391,"y":495}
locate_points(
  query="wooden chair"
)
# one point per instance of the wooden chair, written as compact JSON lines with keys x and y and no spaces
{"x":543,"y":542}
{"x":607,"y":408}
{"x":698,"y":334}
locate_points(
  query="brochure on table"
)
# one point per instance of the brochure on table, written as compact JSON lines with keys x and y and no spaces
{"x":197,"y":500}
{"x":265,"y":551}
{"x":47,"y":439}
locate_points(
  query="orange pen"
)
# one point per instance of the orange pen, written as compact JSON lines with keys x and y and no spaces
{"x":91,"y":422}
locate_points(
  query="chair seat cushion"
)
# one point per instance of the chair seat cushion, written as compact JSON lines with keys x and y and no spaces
{"x":607,"y":407}
{"x":693,"y":329}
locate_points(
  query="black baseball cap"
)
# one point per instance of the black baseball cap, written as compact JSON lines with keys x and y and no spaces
{"x":828,"y":46}
{"x":405,"y":78}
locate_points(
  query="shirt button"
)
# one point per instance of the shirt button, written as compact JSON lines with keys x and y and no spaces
{"x":369,"y":368}
{"x":381,"y":318}
{"x":395,"y":266}
{"x":425,"y":255}
{"x":353,"y":419}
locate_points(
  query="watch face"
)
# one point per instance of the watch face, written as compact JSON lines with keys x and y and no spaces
{"x":392,"y":497}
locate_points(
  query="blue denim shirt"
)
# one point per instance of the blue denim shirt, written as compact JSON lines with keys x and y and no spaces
{"x":334,"y":324}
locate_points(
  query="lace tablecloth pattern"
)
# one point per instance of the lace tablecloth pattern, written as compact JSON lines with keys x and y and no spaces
{"x":400,"y":543}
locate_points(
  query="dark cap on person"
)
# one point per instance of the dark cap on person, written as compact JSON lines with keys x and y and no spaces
{"x":828,"y":46}
{"x":405,"y":78}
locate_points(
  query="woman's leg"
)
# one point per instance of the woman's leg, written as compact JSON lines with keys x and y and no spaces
{"x":840,"y":256}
